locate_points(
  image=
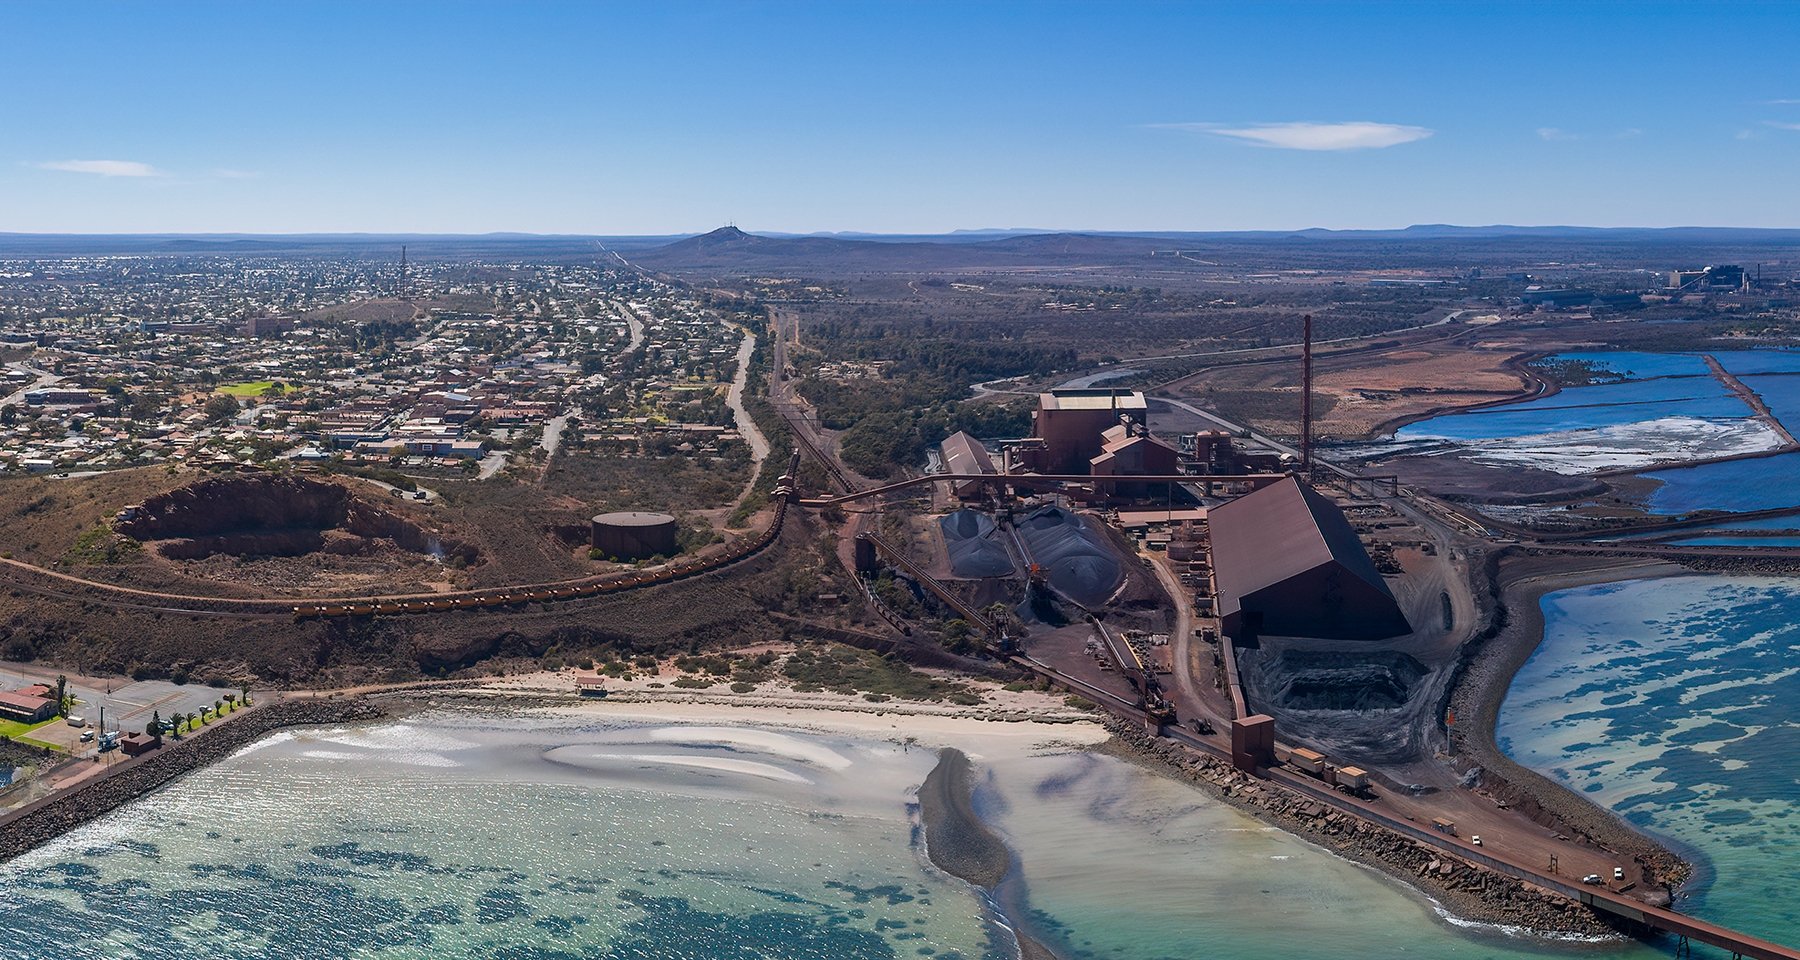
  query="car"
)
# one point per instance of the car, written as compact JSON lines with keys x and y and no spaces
{"x":419,"y":495}
{"x":1476,"y":839}
{"x":1593,"y":878}
{"x":1618,"y":874}
{"x":87,"y":736}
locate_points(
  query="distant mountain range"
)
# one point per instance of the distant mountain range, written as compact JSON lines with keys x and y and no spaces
{"x":729,"y":248}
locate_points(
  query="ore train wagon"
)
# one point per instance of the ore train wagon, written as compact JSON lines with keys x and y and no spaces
{"x":680,"y":570}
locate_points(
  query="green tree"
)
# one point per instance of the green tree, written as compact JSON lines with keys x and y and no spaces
{"x":220,"y":408}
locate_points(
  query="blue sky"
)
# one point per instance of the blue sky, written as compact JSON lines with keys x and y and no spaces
{"x":620,"y":118}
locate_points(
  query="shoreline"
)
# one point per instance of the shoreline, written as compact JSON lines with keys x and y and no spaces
{"x":1485,"y":677}
{"x":45,"y":819}
{"x":961,"y":843}
{"x":1463,"y":894}
{"x":958,"y":840}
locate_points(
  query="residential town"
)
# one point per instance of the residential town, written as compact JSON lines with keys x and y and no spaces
{"x":128,"y":361}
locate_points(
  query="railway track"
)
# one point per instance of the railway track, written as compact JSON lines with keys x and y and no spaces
{"x":1646,"y":917}
{"x":112,"y":595}
{"x":797,"y":427}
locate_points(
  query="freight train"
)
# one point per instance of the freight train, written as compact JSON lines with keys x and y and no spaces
{"x":547,"y":593}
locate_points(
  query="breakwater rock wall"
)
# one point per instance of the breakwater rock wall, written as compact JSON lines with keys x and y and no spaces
{"x":1465,"y":889}
{"x":44,"y":820}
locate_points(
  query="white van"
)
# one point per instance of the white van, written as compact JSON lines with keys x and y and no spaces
{"x":77,"y":721}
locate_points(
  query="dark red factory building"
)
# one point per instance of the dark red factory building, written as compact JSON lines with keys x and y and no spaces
{"x":1287,"y":563}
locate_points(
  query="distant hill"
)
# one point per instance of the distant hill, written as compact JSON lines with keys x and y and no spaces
{"x":729,"y":249}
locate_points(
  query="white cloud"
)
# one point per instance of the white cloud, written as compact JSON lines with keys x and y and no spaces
{"x":1781,"y":125}
{"x":103,"y":168}
{"x":1552,"y":133}
{"x":1782,"y":103}
{"x":1352,"y":135}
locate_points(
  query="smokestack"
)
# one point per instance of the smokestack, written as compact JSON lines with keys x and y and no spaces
{"x":1306,"y":397}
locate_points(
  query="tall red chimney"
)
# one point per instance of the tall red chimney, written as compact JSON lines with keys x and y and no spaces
{"x":1306,"y":387}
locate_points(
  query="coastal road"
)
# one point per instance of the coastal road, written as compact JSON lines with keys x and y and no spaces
{"x":734,"y":398}
{"x":740,"y":414}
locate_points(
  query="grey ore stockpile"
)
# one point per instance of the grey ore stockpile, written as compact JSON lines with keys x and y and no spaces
{"x":974,"y":553}
{"x":1075,"y":559}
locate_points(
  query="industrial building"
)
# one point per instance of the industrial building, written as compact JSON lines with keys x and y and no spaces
{"x":1287,"y":563}
{"x":1071,"y":424}
{"x":1126,"y":450}
{"x":1722,"y":277}
{"x":635,"y":535}
{"x":964,"y":454}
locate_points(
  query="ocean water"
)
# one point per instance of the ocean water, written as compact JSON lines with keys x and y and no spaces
{"x":458,"y":835}
{"x":1673,"y":702}
{"x":444,"y":838}
{"x":1124,"y":865}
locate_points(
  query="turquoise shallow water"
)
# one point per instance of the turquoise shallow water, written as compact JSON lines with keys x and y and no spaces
{"x":457,"y":836}
{"x":1673,"y":702}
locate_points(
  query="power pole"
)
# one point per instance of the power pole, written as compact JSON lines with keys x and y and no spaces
{"x":1306,"y":387}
